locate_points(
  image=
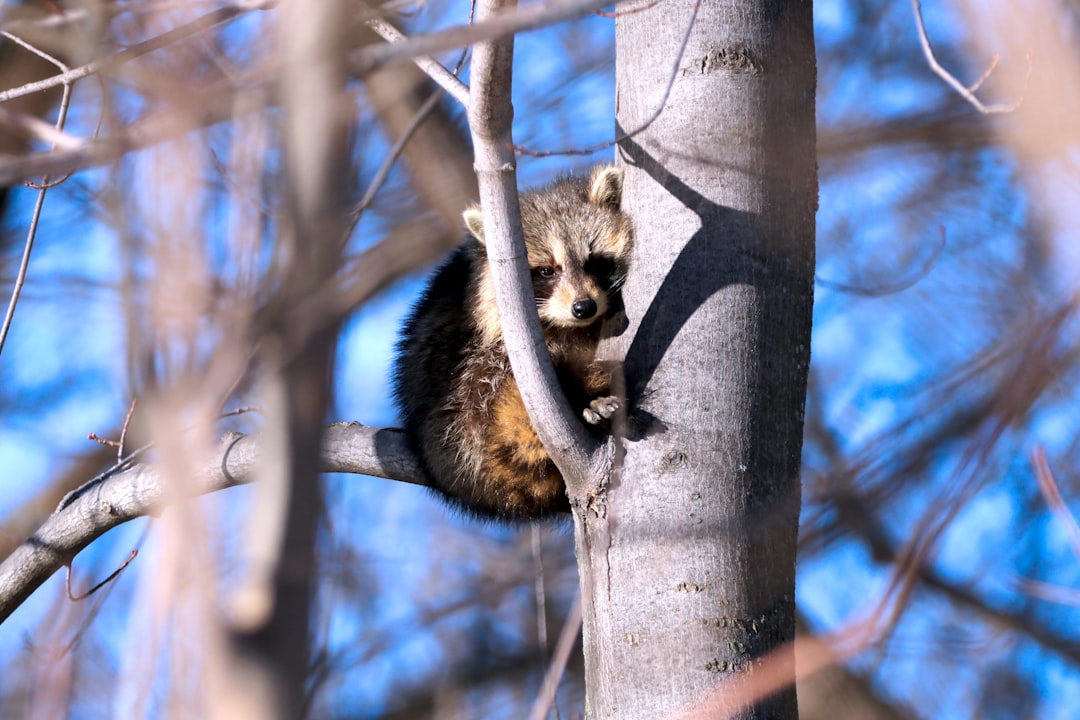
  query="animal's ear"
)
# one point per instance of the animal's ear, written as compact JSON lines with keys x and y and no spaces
{"x":605,"y":187}
{"x":474,"y":221}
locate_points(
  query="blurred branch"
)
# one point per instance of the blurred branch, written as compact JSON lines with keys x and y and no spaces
{"x":438,"y":158}
{"x":966,"y":92}
{"x":858,"y":514}
{"x":215,"y":104}
{"x":129,"y":492}
{"x":1049,"y":489}
{"x":19,"y":65}
{"x":31,"y":128}
{"x":836,"y":693}
{"x":270,"y":636}
{"x":388,"y":163}
{"x":1012,"y":378}
{"x":896,"y":287}
{"x":567,"y":637}
{"x":500,"y":24}
{"x":170,"y":37}
{"x":928,"y":577}
{"x":928,"y":131}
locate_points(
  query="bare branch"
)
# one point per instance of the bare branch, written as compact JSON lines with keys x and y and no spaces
{"x":490,"y":120}
{"x":446,"y":79}
{"x":966,"y":92}
{"x":567,"y":636}
{"x":73,"y":597}
{"x":30,"y":127}
{"x":213,"y":105}
{"x":57,"y":136}
{"x":619,"y":137}
{"x":157,"y":42}
{"x":898,"y":286}
{"x":117,"y":497}
{"x":391,"y":158}
{"x":496,"y":25}
{"x":1049,"y":489}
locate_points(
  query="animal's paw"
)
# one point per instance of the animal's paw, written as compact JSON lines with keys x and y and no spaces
{"x":600,"y":409}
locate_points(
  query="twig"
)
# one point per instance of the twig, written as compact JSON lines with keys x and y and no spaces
{"x":395,"y":152}
{"x":91,"y":591}
{"x":563,"y":647}
{"x":118,"y":444}
{"x":213,"y":103}
{"x":966,"y":92}
{"x":541,"y":600}
{"x":124,"y":429}
{"x":896,"y":287}
{"x":628,"y":11}
{"x":1049,"y":489}
{"x":649,"y":121}
{"x":447,"y":80}
{"x":31,"y":233}
{"x":145,"y":47}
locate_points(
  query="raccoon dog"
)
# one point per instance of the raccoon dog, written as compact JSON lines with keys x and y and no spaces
{"x":452,"y":382}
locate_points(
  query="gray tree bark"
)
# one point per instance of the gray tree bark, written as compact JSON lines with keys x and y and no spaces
{"x":688,"y":559}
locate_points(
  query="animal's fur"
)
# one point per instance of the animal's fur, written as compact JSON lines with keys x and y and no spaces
{"x":453,"y":383}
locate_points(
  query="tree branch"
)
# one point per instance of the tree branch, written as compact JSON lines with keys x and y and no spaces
{"x":196,"y":26}
{"x":121,"y":495}
{"x":966,"y":92}
{"x":447,"y":80}
{"x":490,"y":120}
{"x":216,"y":104}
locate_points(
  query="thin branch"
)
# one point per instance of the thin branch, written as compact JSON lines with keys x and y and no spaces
{"x":124,"y":430}
{"x":213,"y":105}
{"x":112,"y":576}
{"x":24,"y":125}
{"x":966,"y":92}
{"x":395,"y":152}
{"x":198,"y":25}
{"x":35,"y":218}
{"x":567,"y":636}
{"x":629,"y":11}
{"x":434,"y":69}
{"x":497,"y":25}
{"x":139,"y":491}
{"x":899,"y":286}
{"x":1049,"y":489}
{"x":619,"y":137}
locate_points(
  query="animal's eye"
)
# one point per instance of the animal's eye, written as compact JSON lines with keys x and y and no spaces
{"x":546,"y":272}
{"x":600,"y":267}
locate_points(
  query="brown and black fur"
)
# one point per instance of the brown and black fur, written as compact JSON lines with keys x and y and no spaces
{"x":458,"y":399}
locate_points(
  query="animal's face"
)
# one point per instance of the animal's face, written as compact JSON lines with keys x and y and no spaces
{"x":574,"y":272}
{"x":578,"y":243}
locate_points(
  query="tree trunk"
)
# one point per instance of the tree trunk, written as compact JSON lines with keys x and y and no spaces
{"x":688,"y":561}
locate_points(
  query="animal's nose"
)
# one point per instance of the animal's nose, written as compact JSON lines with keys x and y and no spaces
{"x":583,"y":309}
